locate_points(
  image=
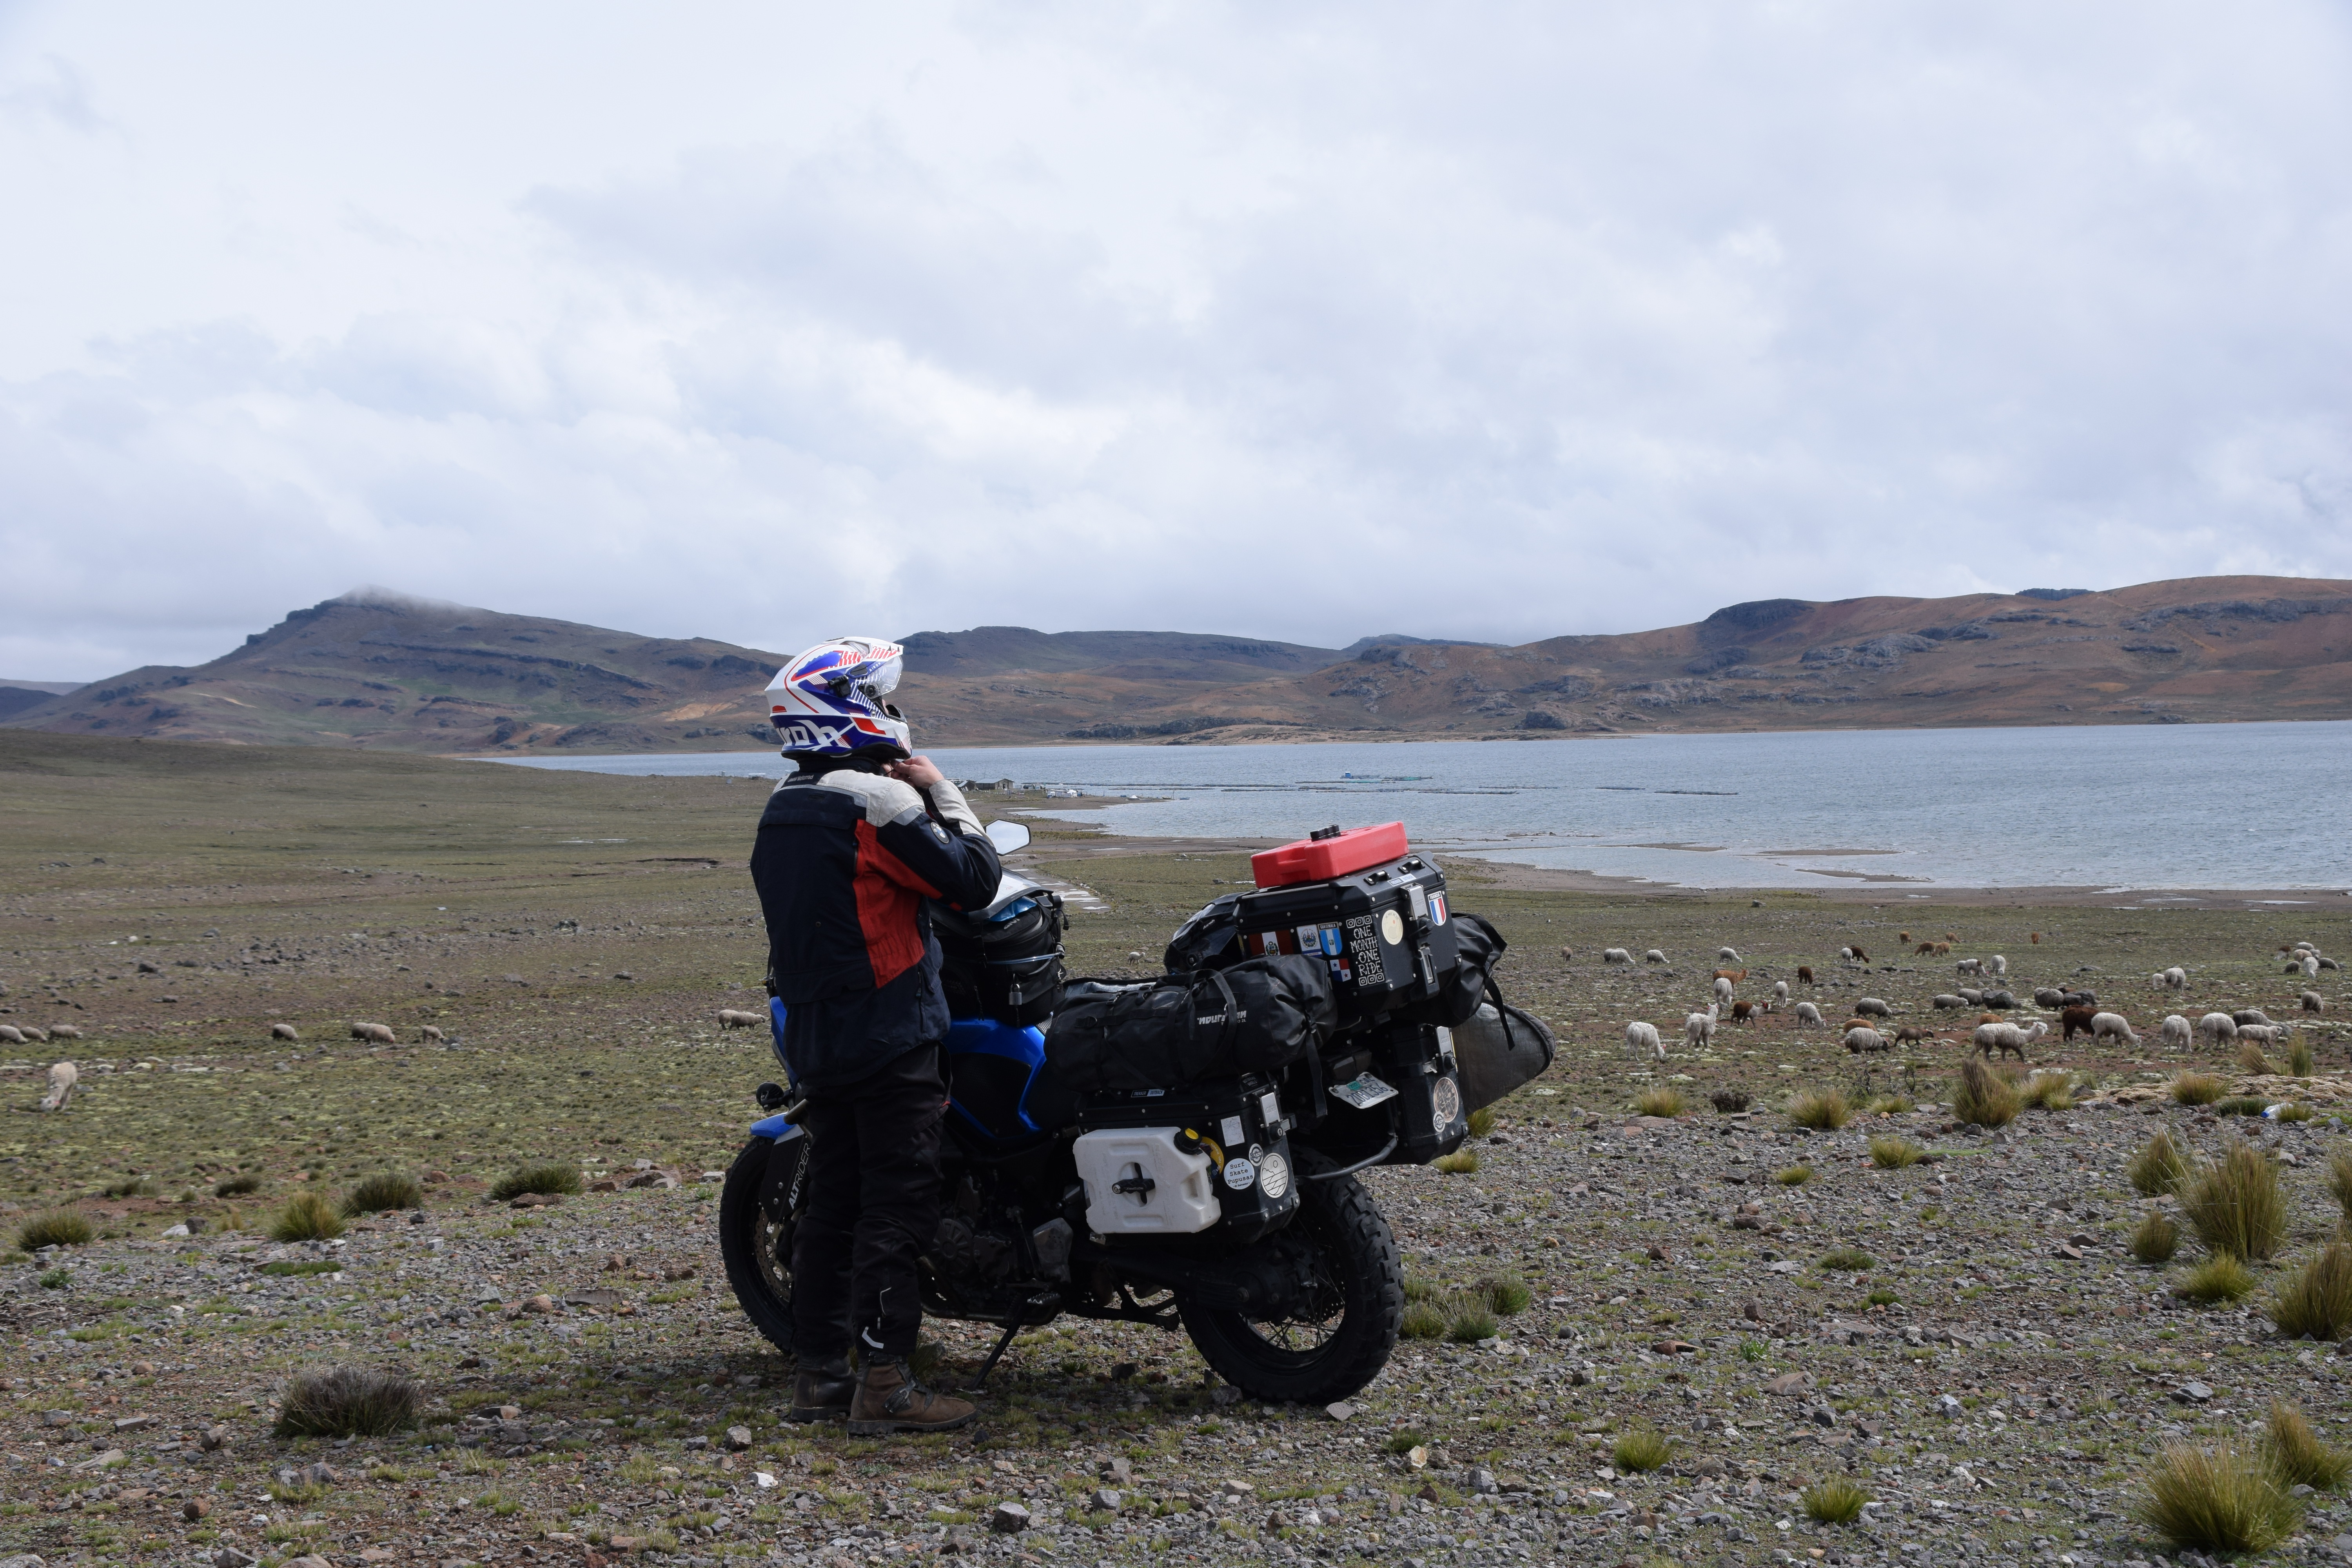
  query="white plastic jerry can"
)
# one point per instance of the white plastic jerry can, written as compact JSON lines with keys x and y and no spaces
{"x":1139,"y":1182}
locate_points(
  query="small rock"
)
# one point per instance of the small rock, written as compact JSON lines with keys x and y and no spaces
{"x":215,"y":1437}
{"x":653,"y":1179}
{"x":2192,"y":1394}
{"x":2065,"y":1250}
{"x":1675,"y":1347}
{"x":320,"y":1475}
{"x":1119,"y":1470}
{"x":1233,"y":1489}
{"x":1789,"y":1383}
{"x":142,"y":1369}
{"x":132,"y":1423}
{"x":1658,"y":1253}
{"x":738,"y":1437}
{"x":1008,"y":1519}
{"x":195,"y":1509}
{"x":1482,"y":1479}
{"x":1417,"y":1456}
{"x":1107,"y":1500}
{"x":1225,"y":1394}
{"x":1947,"y":1406}
{"x":1340,"y":1411}
{"x":230,"y":1557}
{"x":306,"y":1561}
{"x":174,"y":1230}
{"x":540,"y":1304}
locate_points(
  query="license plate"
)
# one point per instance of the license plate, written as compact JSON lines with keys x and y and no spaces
{"x":1363,"y":1092}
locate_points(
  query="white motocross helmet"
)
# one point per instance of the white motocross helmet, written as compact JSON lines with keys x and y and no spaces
{"x":828,"y":701}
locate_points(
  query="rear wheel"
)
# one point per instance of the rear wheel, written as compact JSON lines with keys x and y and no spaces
{"x":758,"y":1250}
{"x":1343,"y":1323}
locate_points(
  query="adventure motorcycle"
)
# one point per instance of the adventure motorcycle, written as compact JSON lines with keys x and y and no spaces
{"x":1184,"y":1151}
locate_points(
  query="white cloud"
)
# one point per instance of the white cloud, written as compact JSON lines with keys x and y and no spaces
{"x":1500,"y":322}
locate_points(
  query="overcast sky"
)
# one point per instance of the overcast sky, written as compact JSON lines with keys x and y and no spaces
{"x":771,"y":322}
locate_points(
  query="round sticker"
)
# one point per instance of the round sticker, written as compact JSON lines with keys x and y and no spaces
{"x":1392,"y":928}
{"x":1446,"y":1101}
{"x":1240,"y":1174}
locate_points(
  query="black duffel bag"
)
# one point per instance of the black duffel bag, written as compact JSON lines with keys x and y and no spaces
{"x":1477,"y":946}
{"x":1259,"y":1015}
{"x":1008,"y":968}
{"x":1497,"y":1048}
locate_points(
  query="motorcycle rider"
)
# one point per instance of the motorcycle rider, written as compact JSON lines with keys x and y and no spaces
{"x":848,"y":849}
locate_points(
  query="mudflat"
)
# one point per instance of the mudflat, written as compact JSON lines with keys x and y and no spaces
{"x":1968,"y":1340}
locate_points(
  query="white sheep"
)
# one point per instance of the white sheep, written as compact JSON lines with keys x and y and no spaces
{"x":2312,"y":1001}
{"x":13,"y":1034}
{"x":2007,"y":1037}
{"x":1946,"y":999}
{"x":1655,"y":955}
{"x":1726,"y":954}
{"x":1859,"y":1039}
{"x":1642,"y":1041}
{"x":1999,"y":967}
{"x":2268,"y":1034}
{"x":2104,"y":1025}
{"x":1616,"y":955}
{"x":1722,"y":991}
{"x":1698,"y":1028}
{"x":2311,"y":966}
{"x":64,"y":1032}
{"x":1969,"y":966}
{"x":2217,"y":1026}
{"x":2245,"y":1015}
{"x":1809,"y":1014}
{"x":284,"y":1032}
{"x":736,"y":1018}
{"x":430,"y":1035}
{"x":63,"y":1076}
{"x":1872,"y":1008}
{"x":2175,"y":979}
{"x":2175,"y":1032}
{"x":377,"y":1033}
{"x":1779,"y":991}
{"x":35,"y":1033}
{"x":1846,"y":954}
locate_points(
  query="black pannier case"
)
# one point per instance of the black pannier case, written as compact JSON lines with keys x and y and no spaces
{"x":1383,"y":933}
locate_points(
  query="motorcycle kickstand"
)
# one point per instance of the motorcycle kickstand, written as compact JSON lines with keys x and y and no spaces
{"x":1004,"y":1341}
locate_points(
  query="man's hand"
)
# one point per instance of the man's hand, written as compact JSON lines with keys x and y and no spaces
{"x":921,"y":772}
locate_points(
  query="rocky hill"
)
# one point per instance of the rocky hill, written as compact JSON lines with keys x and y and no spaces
{"x":377,"y":670}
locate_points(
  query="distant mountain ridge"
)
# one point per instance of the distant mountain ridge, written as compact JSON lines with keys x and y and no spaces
{"x":380,"y":669}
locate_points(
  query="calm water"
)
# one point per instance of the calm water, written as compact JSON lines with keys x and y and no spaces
{"x":2175,"y":806}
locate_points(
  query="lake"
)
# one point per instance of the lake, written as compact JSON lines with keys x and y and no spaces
{"x":2170,"y":805}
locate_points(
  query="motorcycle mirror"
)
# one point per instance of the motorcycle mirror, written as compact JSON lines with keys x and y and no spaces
{"x":1008,"y":837}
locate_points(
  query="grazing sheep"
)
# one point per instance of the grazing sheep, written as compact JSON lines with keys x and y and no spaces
{"x":1727,"y":956}
{"x":2000,"y":1000}
{"x":63,"y":1076}
{"x":1970,"y":966}
{"x":2327,"y":964}
{"x":2245,"y":1015}
{"x":1872,"y":1008}
{"x":735,"y":1018}
{"x":1742,"y":1011}
{"x":1722,"y":989}
{"x":1642,"y":1041}
{"x":1862,"y":1038}
{"x":2174,"y":1031}
{"x":1845,"y":955}
{"x":1911,"y":1034}
{"x":2218,"y":1027}
{"x":377,"y":1033}
{"x":1807,"y":1014}
{"x":2079,"y":999}
{"x":1779,"y":991}
{"x":13,"y":1034}
{"x":1946,"y":999}
{"x":1698,"y":1028}
{"x":2175,"y":979}
{"x":2076,"y":1020}
{"x":284,"y":1032}
{"x":2268,"y":1034}
{"x":35,"y":1033}
{"x":2007,"y":1037}
{"x":430,"y":1035}
{"x":1655,"y":955}
{"x":64,"y":1032}
{"x":1972,"y":996}
{"x":1616,"y":955}
{"x":2312,"y":966}
{"x":2107,"y":1024}
{"x":1805,"y":974}
{"x":2312,"y":1001}
{"x":1568,"y":956}
{"x":1999,"y":967}
{"x":2049,"y":997}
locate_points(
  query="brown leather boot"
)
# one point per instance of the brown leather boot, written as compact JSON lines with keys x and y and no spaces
{"x":822,"y":1390}
{"x":890,"y":1400}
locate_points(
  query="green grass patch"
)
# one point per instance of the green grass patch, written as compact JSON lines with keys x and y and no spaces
{"x":292,"y":1270}
{"x":2221,"y":1278}
{"x":1847,"y":1260}
{"x":2315,"y":1302}
{"x":1822,"y":1110}
{"x":2296,"y":1455}
{"x":383,"y":1193}
{"x":1896,"y":1153}
{"x":2216,"y":1501}
{"x":1835,"y":1502}
{"x":2161,"y":1166}
{"x":307,"y":1216}
{"x":2236,"y":1205}
{"x":58,"y":1227}
{"x":2197,"y":1087}
{"x":1640,"y":1450}
{"x":2155,"y":1239}
{"x":1461,"y":1163}
{"x":1663,"y":1100}
{"x":1794,"y":1175}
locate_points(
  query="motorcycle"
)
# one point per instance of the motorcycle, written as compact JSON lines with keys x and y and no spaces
{"x":1224,"y":1203}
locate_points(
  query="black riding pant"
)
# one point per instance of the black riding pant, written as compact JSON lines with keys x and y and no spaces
{"x":873,"y":1206}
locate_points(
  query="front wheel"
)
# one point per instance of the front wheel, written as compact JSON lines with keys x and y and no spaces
{"x":758,"y":1250}
{"x":1343,"y":1321}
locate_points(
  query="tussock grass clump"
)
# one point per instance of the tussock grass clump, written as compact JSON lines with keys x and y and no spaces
{"x":2295,"y":1111}
{"x":1482,"y":1122}
{"x":1889,"y":1105}
{"x":2251,"y":1059}
{"x":1461,"y":1163}
{"x":1423,"y":1320}
{"x":236,"y":1186}
{"x":1663,"y":1100}
{"x":1406,"y":1441}
{"x":381,"y":1194}
{"x":2237,"y":1205}
{"x":2161,"y":1165}
{"x":2241,"y":1105}
{"x":1470,"y":1320}
{"x":2297,"y":1455}
{"x":2216,"y":1500}
{"x":1835,"y":1502}
{"x":1505,"y":1294}
{"x":307,"y":1216}
{"x":1794,"y":1176}
{"x":2155,"y":1239}
{"x":58,"y":1227}
{"x":2048,"y":1091}
{"x":1983,"y":1098}
{"x":1894,"y":1153}
{"x":1847,"y":1260}
{"x":1823,"y":1110}
{"x":2197,"y":1087}
{"x":549,"y":1177}
{"x":136,"y":1187}
{"x":2298,"y":1057}
{"x":2221,"y":1278}
{"x":1640,"y":1450}
{"x":2339,"y":1178}
{"x":1420,"y":1288}
{"x":2315,"y":1302}
{"x":347,"y":1402}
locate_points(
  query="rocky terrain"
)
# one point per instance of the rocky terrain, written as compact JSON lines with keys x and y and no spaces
{"x":388,"y":673}
{"x":1966,"y":1339}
